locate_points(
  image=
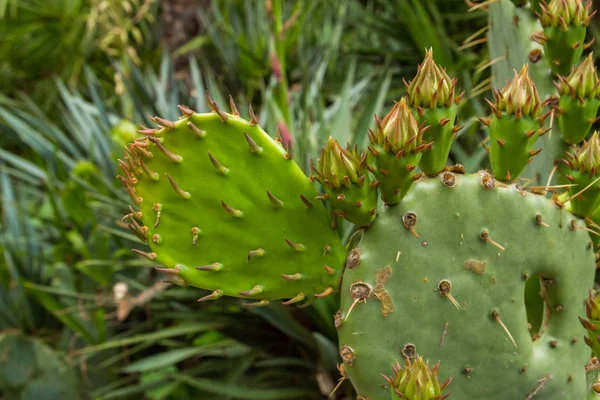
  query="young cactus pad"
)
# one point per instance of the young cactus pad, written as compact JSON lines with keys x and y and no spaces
{"x":456,"y":293}
{"x":224,"y":208}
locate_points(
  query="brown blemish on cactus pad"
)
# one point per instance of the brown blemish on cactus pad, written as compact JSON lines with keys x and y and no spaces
{"x":381,"y":277}
{"x":347,"y":355}
{"x":353,"y":259}
{"x":409,"y":220}
{"x":448,"y":179}
{"x":409,"y":351}
{"x":476,"y":266}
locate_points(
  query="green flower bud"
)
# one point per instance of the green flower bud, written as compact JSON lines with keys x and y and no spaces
{"x":587,"y":159}
{"x":338,"y":166}
{"x":431,"y":87}
{"x":399,"y":130}
{"x":343,"y":174}
{"x":582,"y":81}
{"x":416,"y":381}
{"x":519,"y":96}
{"x":565,"y":12}
{"x":584,"y":195}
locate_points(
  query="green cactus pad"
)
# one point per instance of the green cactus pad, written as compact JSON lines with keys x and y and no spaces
{"x":576,"y":120}
{"x":224,"y":208}
{"x":455,"y":294}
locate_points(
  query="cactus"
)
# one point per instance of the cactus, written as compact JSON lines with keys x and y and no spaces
{"x":579,"y":101}
{"x":441,"y":271}
{"x":213,"y":206}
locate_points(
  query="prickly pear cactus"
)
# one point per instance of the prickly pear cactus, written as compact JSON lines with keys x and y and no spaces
{"x":224,"y":208}
{"x":442,"y":271}
{"x":456,"y":294}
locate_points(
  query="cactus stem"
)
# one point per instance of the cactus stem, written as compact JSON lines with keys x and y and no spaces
{"x":214,"y":267}
{"x":325,"y":293}
{"x":496,"y":318}
{"x":197,"y":131}
{"x":274,"y":200}
{"x":296,"y":299}
{"x":306,"y":202}
{"x":149,"y":255}
{"x":262,"y":303}
{"x":218,"y":166}
{"x":171,"y":156}
{"x":256,"y":290}
{"x":296,"y":246}
{"x":213,"y":296}
{"x":255,"y":253}
{"x":410,"y":220}
{"x":329,"y":270}
{"x":171,"y":271}
{"x":178,"y":190}
{"x":256,"y":149}
{"x":233,"y":107}
{"x":486,"y":237}
{"x":232,"y":211}
{"x":253,"y":119}
{"x":163,"y":122}
{"x":185,"y":110}
{"x":151,"y":174}
{"x":293,"y":278}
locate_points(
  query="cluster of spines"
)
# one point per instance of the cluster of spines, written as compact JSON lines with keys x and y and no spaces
{"x":592,"y":324}
{"x":416,"y":381}
{"x":584,"y":171}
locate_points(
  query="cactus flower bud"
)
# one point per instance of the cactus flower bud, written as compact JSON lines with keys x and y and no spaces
{"x":519,"y":96}
{"x":514,"y":127}
{"x":579,"y":101}
{"x":431,"y":93}
{"x":562,"y":13}
{"x":397,"y":148}
{"x":431,"y":87}
{"x":564,"y":23}
{"x":585,"y":170}
{"x":343,"y":174}
{"x":400,"y":129}
{"x":416,"y":381}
